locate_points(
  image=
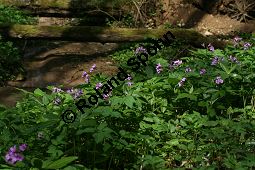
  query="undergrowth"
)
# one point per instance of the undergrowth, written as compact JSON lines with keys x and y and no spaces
{"x":10,"y":64}
{"x":195,"y":111}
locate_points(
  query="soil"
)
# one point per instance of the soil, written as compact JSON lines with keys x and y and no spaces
{"x":188,"y":16}
{"x":63,"y":63}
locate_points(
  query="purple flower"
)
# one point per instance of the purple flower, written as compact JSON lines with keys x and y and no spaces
{"x":202,"y":71}
{"x":12,"y":157}
{"x":99,"y":85}
{"x":182,"y":82}
{"x":233,"y":59}
{"x":177,"y":62}
{"x":106,"y":96}
{"x":140,"y":50}
{"x":187,"y":69}
{"x":92,"y":68}
{"x":87,"y":78}
{"x":56,"y":90}
{"x":129,"y":77}
{"x":215,"y":60}
{"x":78,"y":93}
{"x":237,"y":39}
{"x":210,"y":47}
{"x":70,"y":91}
{"x":158,"y":68}
{"x":57,"y":101}
{"x":129,"y":83}
{"x":84,"y":74}
{"x":246,"y":46}
{"x":22,"y":147}
{"x":218,"y":80}
{"x":12,"y":149}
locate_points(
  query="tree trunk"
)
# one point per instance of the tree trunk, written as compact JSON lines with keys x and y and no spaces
{"x":102,"y":34}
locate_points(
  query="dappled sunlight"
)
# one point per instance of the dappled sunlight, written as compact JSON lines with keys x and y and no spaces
{"x":137,"y":84}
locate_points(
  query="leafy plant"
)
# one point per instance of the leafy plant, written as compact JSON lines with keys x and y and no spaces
{"x":191,"y":112}
{"x":11,"y":15}
{"x":10,"y":64}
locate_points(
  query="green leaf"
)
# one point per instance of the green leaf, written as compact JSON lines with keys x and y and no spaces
{"x":149,"y":71}
{"x":162,"y":61}
{"x":173,"y":142}
{"x":70,"y":168}
{"x":191,"y":90}
{"x":45,"y":100}
{"x":186,"y":95}
{"x":116,"y":100}
{"x":64,"y":161}
{"x":39,"y":92}
{"x":87,"y":130}
{"x":129,"y":101}
{"x":148,"y":119}
{"x":211,"y":123}
{"x":37,"y":163}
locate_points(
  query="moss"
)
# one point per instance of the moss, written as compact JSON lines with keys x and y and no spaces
{"x":102,"y":34}
{"x":64,"y":4}
{"x":61,"y":4}
{"x":27,"y":30}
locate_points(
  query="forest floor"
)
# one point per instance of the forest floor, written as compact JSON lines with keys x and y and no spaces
{"x":54,"y":63}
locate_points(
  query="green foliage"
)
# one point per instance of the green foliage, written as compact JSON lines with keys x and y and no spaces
{"x":153,"y":124}
{"x":11,"y":15}
{"x":9,"y":61}
{"x":10,"y":64}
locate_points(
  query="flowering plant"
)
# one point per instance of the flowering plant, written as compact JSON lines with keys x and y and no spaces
{"x":179,"y":112}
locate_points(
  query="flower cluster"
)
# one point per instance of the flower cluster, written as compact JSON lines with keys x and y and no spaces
{"x":99,"y":85}
{"x":246,"y":45}
{"x":180,"y":84}
{"x":87,"y":78}
{"x":12,"y":157}
{"x":86,"y":75}
{"x":140,"y":50}
{"x":233,"y":59}
{"x":57,"y":101}
{"x":188,"y":69}
{"x":215,"y":60}
{"x":106,"y":96}
{"x":175,"y":64}
{"x":56,"y":90}
{"x":210,"y":47}
{"x":237,"y":40}
{"x":76,"y":93}
{"x":202,"y":71}
{"x":218,"y":80}
{"x":159,"y":68}
{"x":129,"y":83}
{"x":92,"y":68}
